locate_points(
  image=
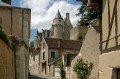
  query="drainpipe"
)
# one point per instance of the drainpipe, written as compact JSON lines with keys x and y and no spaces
{"x":11,"y":21}
{"x":22,"y":23}
{"x":15,"y":63}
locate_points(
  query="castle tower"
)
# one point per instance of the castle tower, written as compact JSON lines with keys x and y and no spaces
{"x":57,"y":26}
{"x":37,"y":40}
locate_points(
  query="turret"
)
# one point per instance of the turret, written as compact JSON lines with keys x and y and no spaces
{"x":37,"y":40}
{"x":67,"y":20}
{"x":57,"y":26}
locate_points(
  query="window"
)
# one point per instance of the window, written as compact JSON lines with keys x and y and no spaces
{"x":115,"y":74}
{"x":33,"y":58}
{"x":43,"y":45}
{"x":68,"y":60}
{"x":118,"y":73}
{"x":52,"y":54}
{"x":43,"y":55}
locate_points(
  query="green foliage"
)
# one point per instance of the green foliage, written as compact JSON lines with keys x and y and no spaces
{"x":7,"y":39}
{"x":87,"y":13}
{"x":62,"y":70}
{"x":32,"y":44}
{"x":82,"y":69}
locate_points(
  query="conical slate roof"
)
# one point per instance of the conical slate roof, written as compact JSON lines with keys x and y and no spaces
{"x":58,"y":15}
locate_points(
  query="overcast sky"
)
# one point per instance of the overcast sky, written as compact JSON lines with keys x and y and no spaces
{"x":44,"y":11}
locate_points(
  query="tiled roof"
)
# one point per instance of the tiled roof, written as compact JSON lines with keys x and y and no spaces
{"x":66,"y":44}
{"x":34,"y":51}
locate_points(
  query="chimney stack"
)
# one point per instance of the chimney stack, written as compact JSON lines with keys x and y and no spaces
{"x":67,"y":15}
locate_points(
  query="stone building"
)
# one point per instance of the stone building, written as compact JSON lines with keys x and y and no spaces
{"x":16,"y":22}
{"x":109,"y":65}
{"x":34,"y":61}
{"x":53,"y":49}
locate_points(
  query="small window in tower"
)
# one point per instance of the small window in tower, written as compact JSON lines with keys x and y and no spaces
{"x":43,"y":45}
{"x":59,"y":20}
{"x":43,"y":55}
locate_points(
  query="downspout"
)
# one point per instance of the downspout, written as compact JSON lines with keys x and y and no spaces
{"x":14,"y":51}
{"x":22,"y":23}
{"x":11,"y":21}
{"x":15,"y":63}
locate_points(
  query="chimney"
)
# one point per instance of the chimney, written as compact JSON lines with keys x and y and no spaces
{"x":67,"y":15}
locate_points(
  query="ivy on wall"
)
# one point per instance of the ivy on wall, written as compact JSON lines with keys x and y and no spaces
{"x":9,"y":40}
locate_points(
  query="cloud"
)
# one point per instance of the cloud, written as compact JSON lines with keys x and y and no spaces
{"x":44,"y":11}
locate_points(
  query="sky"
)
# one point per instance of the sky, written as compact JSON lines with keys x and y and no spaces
{"x":44,"y":11}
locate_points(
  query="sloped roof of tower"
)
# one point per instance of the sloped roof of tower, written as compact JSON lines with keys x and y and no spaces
{"x":58,"y":15}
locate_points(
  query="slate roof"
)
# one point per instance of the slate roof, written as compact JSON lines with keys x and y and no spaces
{"x":60,"y":43}
{"x":58,"y":15}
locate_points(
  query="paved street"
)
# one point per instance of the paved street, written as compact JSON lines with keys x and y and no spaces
{"x":35,"y":77}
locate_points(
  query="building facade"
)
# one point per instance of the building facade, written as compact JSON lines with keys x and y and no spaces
{"x":54,"y":50}
{"x":110,"y":41}
{"x":16,"y":23}
{"x":89,"y":52}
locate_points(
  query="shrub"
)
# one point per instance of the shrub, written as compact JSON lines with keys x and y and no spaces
{"x":82,"y":69}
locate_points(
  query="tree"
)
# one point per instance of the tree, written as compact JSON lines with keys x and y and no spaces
{"x":82,"y":69}
{"x":87,"y":13}
{"x":32,"y":44}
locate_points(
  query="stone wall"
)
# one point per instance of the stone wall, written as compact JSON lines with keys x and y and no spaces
{"x":89,"y":52}
{"x":107,"y":63}
{"x":7,"y":70}
{"x":77,"y":31}
{"x":12,"y":23}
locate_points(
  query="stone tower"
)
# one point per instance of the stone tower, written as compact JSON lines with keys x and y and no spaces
{"x":37,"y":40}
{"x":57,"y":26}
{"x":67,"y":26}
